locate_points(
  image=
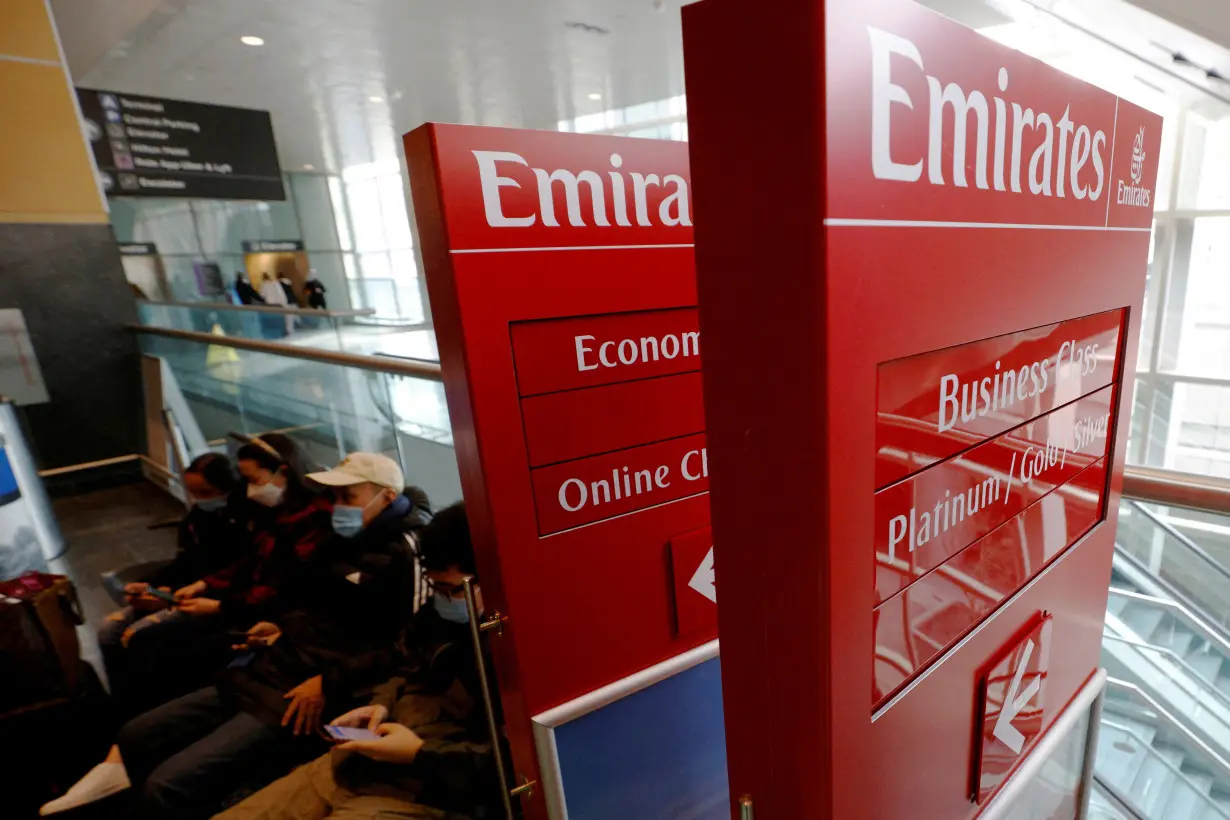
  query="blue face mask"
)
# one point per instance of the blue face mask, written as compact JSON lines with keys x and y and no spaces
{"x":211,"y":505}
{"x":451,"y":609}
{"x":347,"y":521}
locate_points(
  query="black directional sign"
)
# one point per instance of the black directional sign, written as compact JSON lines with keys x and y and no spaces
{"x":145,"y":146}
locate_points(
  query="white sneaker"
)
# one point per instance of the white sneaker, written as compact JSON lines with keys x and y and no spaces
{"x":103,"y":780}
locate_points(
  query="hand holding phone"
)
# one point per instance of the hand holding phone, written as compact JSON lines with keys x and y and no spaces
{"x":365,"y":717}
{"x":160,"y":594}
{"x":344,"y":734}
{"x":263,"y":634}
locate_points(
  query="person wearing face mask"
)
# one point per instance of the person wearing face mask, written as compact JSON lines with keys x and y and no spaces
{"x":288,"y":522}
{"x":170,"y":749}
{"x":264,"y":713}
{"x":292,"y":524}
{"x":211,"y":536}
{"x":431,"y":756}
{"x":357,"y":599}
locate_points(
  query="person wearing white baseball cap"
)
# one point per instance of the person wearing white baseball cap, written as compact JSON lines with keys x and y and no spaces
{"x":365,"y":484}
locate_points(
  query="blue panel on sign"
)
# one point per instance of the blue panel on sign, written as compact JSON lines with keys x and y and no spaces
{"x":660,"y":753}
{"x":8,"y":482}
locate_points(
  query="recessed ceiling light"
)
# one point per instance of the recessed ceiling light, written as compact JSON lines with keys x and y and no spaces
{"x":376,"y":98}
{"x":252,"y":40}
{"x":307,"y":166}
{"x":594,"y":95}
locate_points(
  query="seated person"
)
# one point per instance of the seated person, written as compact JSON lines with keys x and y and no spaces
{"x":365,"y":572}
{"x":301,"y":520}
{"x":180,"y":648}
{"x":189,"y":755}
{"x":205,"y":535}
{"x":212,"y":536}
{"x":432,"y":757}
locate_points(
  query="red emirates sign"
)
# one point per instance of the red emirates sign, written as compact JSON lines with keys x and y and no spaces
{"x":978,"y":134}
{"x":563,"y":294}
{"x":920,"y":291}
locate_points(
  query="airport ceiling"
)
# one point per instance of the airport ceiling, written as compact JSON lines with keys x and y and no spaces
{"x":344,"y":78}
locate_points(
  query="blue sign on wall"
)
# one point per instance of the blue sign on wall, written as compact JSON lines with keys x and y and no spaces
{"x":659,"y":753}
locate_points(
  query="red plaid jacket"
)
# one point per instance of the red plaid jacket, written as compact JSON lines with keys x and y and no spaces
{"x":270,"y":577}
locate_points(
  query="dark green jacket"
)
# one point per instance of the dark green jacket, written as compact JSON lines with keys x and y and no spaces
{"x":435,"y":692}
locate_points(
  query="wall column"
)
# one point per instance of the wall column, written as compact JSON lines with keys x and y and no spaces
{"x":58,"y":258}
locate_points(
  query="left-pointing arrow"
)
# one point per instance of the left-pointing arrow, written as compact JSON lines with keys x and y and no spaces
{"x":704,"y":580}
{"x":1015,"y":702}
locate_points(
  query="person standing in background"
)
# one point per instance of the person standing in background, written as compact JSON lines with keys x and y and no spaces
{"x":314,"y":289}
{"x":246,"y":294}
{"x":272,"y":292}
{"x":289,"y":290}
{"x":275,"y":296}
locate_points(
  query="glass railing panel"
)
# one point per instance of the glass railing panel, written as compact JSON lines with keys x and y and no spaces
{"x":394,"y":300}
{"x":1103,"y":805}
{"x":336,"y":408}
{"x":1150,"y":536}
{"x":1207,"y":529}
{"x":306,"y":327}
{"x":331,"y":409}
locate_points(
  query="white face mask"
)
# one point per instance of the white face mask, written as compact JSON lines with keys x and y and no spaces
{"x":268,"y":494}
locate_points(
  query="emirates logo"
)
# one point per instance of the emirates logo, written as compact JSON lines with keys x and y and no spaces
{"x":1138,"y":156}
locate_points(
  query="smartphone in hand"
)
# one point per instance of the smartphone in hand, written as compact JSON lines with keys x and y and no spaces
{"x":344,"y":733}
{"x":160,"y":595}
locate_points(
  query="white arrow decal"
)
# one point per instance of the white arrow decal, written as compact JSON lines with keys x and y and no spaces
{"x":1014,"y":704}
{"x":703,"y":580}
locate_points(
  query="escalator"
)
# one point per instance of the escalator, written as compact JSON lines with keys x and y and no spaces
{"x":1148,"y":761}
{"x":1181,"y":635}
{"x":1164,"y":743}
{"x":1152,"y":556}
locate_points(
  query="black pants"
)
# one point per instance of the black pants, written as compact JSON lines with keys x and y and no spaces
{"x":186,"y":757}
{"x":162,"y":661}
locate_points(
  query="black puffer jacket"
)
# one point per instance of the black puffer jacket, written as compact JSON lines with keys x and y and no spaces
{"x":208,"y":542}
{"x":366,"y":583}
{"x":358,"y":598}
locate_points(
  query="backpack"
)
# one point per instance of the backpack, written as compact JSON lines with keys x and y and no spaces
{"x":39,"y":616}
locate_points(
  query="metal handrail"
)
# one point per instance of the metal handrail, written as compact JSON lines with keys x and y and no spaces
{"x":1193,"y":492}
{"x":1174,"y":657}
{"x":1169,"y":488}
{"x":1172,"y":722}
{"x":348,"y":313}
{"x":1117,"y":799}
{"x":1139,"y":574}
{"x":1179,"y":776}
{"x":1191,"y":545}
{"x":378,"y":364}
{"x":1197,"y":624}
